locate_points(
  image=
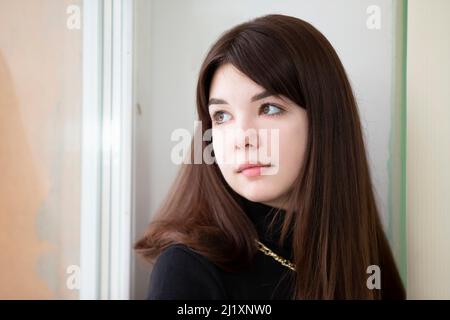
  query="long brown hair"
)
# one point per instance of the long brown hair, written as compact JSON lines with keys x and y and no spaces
{"x":332,"y":212}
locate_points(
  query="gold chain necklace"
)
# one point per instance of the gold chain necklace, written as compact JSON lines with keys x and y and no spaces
{"x":268,"y":252}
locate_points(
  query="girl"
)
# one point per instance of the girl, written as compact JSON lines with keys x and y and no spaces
{"x":303,"y":222}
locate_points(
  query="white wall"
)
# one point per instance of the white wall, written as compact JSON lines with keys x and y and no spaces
{"x":172,"y":38}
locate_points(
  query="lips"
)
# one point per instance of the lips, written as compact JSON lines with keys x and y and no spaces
{"x":248,"y":166}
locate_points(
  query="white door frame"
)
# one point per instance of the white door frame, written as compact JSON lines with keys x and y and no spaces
{"x":106,"y":149}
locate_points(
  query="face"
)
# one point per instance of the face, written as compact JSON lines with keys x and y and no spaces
{"x":259,"y":140}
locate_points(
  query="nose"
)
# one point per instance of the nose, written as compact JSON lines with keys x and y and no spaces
{"x":247,"y":141}
{"x":246,"y":135}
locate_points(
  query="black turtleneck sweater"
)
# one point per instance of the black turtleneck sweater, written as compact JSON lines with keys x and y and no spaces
{"x":180,"y":273}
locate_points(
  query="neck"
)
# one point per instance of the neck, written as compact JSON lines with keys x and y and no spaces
{"x":262,"y":214}
{"x":275,"y":204}
{"x":279,"y":203}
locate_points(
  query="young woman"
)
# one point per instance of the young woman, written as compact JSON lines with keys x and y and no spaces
{"x":303,"y":223}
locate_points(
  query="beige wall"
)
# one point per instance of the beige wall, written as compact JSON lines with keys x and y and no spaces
{"x":40,"y":94}
{"x":428,"y":151}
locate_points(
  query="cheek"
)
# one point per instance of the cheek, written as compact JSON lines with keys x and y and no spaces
{"x":292,"y":148}
{"x":219,"y":149}
{"x":219,"y":145}
{"x":222,"y":148}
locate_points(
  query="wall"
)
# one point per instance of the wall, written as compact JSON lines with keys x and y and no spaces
{"x":428,"y":151}
{"x":40,"y":95}
{"x":172,"y":38}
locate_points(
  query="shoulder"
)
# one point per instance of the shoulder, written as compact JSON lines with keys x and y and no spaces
{"x":181,"y":273}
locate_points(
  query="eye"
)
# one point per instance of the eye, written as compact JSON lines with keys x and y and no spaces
{"x":271,"y":109}
{"x":220,"y":117}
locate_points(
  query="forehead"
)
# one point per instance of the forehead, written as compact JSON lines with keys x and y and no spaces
{"x":229,"y":82}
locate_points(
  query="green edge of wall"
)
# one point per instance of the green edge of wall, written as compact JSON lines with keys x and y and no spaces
{"x":397,"y":154}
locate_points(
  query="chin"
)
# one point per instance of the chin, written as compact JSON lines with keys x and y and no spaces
{"x":257,"y":195}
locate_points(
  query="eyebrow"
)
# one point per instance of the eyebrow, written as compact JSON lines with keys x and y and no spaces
{"x":256,"y":97}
